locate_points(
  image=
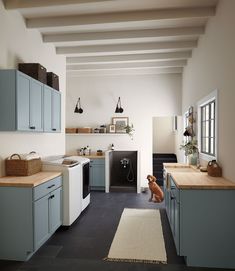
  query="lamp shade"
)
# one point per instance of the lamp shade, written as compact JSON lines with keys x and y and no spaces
{"x":119,"y":108}
{"x":78,"y":108}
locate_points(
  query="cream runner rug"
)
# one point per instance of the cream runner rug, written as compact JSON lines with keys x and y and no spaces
{"x":139,"y":237}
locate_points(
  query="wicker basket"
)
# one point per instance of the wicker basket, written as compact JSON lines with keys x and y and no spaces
{"x":85,"y":130}
{"x":70,"y":130}
{"x":20,"y":167}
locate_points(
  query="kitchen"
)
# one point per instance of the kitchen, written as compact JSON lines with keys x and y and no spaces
{"x":209,"y":68}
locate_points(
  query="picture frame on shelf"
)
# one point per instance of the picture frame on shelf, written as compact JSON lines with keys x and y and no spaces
{"x":111,"y":128}
{"x":120,"y":124}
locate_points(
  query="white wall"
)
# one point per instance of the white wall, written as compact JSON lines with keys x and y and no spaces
{"x":163,"y":135}
{"x":18,"y":44}
{"x":142,"y":96}
{"x":213,"y":67}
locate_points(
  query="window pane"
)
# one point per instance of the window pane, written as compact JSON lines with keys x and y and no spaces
{"x":203,"y":145}
{"x":203,"y":129}
{"x":207,"y":129}
{"x":207,"y":144}
{"x":207,"y":112}
{"x":203,"y":112}
{"x":212,"y":128}
{"x":212,"y":110}
{"x":212,"y":146}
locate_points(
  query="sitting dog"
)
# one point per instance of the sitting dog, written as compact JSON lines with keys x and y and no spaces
{"x":156,"y":192}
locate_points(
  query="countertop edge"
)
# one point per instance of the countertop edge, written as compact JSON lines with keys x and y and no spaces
{"x":28,"y":183}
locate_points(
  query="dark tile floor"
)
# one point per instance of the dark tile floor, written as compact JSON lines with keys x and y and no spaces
{"x":84,"y":245}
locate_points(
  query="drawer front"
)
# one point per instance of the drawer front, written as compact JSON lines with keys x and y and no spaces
{"x":47,"y":187}
{"x":99,"y":161}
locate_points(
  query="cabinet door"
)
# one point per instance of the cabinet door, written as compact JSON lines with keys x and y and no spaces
{"x":177,"y":226}
{"x":47,"y":112}
{"x":36,"y":103}
{"x":56,"y":111}
{"x":55,"y":209}
{"x":23,"y":98}
{"x":41,"y":221}
{"x":97,"y":173}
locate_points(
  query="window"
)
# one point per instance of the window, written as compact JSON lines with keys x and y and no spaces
{"x":208,"y":128}
{"x":207,"y":132}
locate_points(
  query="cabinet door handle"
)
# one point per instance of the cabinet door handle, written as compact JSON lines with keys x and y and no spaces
{"x":52,"y":196}
{"x":50,"y":186}
{"x":172,"y":197}
{"x":32,"y":127}
{"x":54,"y":129}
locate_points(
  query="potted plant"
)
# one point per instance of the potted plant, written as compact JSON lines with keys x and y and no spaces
{"x":130,"y":130}
{"x":191,"y":150}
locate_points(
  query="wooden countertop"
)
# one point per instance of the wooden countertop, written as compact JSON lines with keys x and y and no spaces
{"x":199,"y":180}
{"x":175,"y":165}
{"x":188,"y":177}
{"x":28,"y":181}
{"x":94,"y":156}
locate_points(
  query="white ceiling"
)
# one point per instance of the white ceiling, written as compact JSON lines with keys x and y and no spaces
{"x":119,"y":36}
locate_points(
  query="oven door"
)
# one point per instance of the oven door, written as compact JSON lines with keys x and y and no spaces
{"x":86,"y":179}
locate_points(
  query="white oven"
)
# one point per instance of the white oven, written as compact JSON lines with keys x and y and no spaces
{"x":76,"y":184}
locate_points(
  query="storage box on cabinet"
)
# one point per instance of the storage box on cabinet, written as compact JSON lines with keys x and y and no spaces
{"x":53,"y":80}
{"x":34,"y":70}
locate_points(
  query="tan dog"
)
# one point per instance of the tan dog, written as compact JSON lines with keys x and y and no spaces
{"x":156,"y":192}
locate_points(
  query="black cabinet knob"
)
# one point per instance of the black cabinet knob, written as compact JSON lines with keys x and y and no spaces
{"x":32,"y":127}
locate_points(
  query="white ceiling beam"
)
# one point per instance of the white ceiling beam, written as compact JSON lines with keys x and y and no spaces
{"x":130,"y":34}
{"x":126,"y":48}
{"x":19,"y":4}
{"x":120,"y":17}
{"x":128,"y":58}
{"x":173,"y":63}
{"x":176,"y":70}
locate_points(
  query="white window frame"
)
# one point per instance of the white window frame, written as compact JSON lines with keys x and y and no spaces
{"x":213,"y":96}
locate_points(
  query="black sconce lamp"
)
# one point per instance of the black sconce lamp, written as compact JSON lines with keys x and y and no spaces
{"x":119,"y":108}
{"x":78,"y":110}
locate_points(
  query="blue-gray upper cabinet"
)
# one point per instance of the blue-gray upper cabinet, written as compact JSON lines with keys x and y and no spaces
{"x":21,"y":102}
{"x":52,"y":110}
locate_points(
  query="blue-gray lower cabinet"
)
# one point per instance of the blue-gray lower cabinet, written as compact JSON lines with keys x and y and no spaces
{"x":47,"y":216}
{"x":29,"y":216}
{"x":202,"y":224}
{"x":97,"y":174}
